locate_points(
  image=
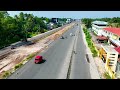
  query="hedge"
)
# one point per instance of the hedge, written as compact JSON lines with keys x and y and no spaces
{"x":90,"y":43}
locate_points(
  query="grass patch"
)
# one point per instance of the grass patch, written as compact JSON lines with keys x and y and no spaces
{"x":9,"y":72}
{"x":107,"y":76}
{"x":6,"y":74}
{"x":90,"y":42}
{"x":18,"y":66}
{"x":31,"y":56}
{"x":34,"y":34}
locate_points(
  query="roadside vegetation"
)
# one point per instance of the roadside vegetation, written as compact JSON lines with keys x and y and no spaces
{"x":17,"y":66}
{"x":90,"y":43}
{"x":22,"y":26}
{"x":113,"y":22}
{"x":107,"y":76}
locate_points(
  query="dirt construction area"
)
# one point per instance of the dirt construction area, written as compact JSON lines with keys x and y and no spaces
{"x":22,"y":52}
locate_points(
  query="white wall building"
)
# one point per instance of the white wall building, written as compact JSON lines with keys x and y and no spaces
{"x":113,"y":34}
{"x":97,"y":27}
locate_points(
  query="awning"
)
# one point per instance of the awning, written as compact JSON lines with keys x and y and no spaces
{"x":102,"y":38}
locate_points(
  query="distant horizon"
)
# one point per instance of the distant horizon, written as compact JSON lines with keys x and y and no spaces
{"x":70,"y":14}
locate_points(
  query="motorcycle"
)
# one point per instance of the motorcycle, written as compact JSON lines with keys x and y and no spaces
{"x":62,"y":37}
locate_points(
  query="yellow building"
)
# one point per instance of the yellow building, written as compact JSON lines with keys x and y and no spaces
{"x":110,"y":57}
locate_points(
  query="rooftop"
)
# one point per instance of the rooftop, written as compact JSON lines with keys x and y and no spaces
{"x":109,"y":49}
{"x":113,"y":30}
{"x":100,"y":22}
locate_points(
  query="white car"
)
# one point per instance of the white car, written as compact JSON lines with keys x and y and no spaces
{"x":71,"y":34}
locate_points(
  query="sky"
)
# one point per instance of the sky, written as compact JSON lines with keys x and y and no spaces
{"x":70,"y":14}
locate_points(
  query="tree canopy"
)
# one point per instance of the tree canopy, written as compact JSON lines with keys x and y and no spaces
{"x":22,"y":26}
{"x":114,"y":22}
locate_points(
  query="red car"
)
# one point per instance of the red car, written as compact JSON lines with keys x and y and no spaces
{"x":38,"y":59}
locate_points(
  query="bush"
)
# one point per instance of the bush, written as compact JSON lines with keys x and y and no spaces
{"x":94,"y":53}
{"x":7,"y":73}
{"x":45,"y":30}
{"x":18,"y":66}
{"x":89,"y":42}
{"x":107,"y":76}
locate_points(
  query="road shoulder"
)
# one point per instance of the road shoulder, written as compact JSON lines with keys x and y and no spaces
{"x":93,"y":68}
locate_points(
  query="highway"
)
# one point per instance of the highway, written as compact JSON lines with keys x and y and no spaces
{"x":80,"y":66}
{"x":57,"y":60}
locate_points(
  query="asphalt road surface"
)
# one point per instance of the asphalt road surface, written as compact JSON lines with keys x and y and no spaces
{"x":80,"y":66}
{"x":55,"y":57}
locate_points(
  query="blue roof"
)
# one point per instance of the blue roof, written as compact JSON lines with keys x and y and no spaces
{"x":100,"y":22}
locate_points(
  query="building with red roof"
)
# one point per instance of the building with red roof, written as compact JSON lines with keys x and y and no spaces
{"x":113,"y":34}
{"x":117,"y":49}
{"x":115,"y":31}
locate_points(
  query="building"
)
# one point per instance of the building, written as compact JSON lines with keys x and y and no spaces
{"x":50,"y":26}
{"x":54,"y":20}
{"x":68,"y":20}
{"x":118,"y":63}
{"x":113,"y":34}
{"x":97,"y":27}
{"x":110,"y":56}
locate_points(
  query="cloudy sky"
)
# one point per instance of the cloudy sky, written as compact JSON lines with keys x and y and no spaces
{"x":70,"y":14}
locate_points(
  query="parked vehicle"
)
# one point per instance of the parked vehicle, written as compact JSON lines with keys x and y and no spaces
{"x":38,"y":59}
{"x":12,"y":46}
{"x":62,"y":37}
